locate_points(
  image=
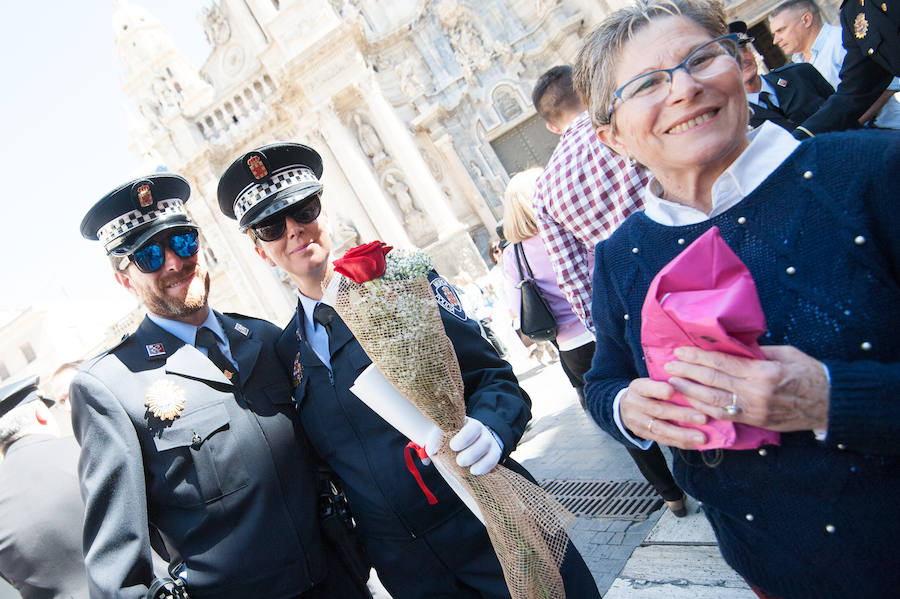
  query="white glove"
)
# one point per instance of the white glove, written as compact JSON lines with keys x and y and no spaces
{"x":477,"y":447}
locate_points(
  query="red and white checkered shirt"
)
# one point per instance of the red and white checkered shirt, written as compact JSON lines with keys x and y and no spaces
{"x":585,"y":192}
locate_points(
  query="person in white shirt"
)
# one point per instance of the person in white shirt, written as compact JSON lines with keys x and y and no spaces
{"x":799,"y":30}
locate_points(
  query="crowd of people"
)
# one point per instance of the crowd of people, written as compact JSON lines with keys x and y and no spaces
{"x":206,"y":441}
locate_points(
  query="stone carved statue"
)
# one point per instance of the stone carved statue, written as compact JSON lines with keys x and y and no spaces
{"x":215,"y":25}
{"x":167,"y":96}
{"x":420,"y":230}
{"x":410,"y":84}
{"x":369,"y":140}
{"x":344,"y":236}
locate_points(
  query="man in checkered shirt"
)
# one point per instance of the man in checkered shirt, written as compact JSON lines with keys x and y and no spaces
{"x":585,"y":192}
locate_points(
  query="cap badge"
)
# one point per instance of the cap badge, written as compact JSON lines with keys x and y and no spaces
{"x":782,"y":82}
{"x":257,"y":167}
{"x":241,"y":329}
{"x":298,"y":370}
{"x":154,"y":350}
{"x":860,"y":26}
{"x":165,"y":400}
{"x":145,"y":198}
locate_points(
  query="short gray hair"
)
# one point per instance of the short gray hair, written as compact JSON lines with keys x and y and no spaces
{"x":801,"y":6}
{"x":594,"y":72}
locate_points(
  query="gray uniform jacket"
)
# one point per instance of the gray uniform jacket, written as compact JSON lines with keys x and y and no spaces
{"x":228,"y":484}
{"x":40,"y":519}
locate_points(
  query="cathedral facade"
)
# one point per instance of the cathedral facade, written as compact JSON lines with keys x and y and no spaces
{"x":420,"y":109}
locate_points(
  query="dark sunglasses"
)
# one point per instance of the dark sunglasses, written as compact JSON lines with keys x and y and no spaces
{"x":152,"y":255}
{"x":302,"y":212}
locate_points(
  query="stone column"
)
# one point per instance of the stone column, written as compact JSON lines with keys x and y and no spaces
{"x":399,"y":143}
{"x":359,"y":175}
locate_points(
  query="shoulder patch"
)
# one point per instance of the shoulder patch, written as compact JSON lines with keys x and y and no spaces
{"x":446,"y":297}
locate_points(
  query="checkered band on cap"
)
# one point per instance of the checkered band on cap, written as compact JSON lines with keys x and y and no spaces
{"x":255,"y":193}
{"x":121,"y":226}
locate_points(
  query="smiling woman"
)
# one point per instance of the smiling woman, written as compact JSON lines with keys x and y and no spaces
{"x":664,"y":86}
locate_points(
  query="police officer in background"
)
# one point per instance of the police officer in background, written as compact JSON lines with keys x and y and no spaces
{"x":419,"y":549}
{"x":189,"y":437}
{"x":870,"y":36}
{"x":40,"y":503}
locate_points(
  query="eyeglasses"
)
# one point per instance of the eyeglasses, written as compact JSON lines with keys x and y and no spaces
{"x":151,"y":256}
{"x":709,"y":60}
{"x":303,"y":213}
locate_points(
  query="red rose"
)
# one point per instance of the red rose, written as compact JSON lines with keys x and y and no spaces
{"x":364,"y":262}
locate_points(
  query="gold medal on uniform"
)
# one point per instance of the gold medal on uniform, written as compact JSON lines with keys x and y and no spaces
{"x":165,"y":400}
{"x":860,"y":26}
{"x":298,"y":370}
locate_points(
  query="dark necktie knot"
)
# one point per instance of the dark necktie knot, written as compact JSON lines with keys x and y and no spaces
{"x":324,"y":315}
{"x":207,"y":340}
{"x":766,"y":99}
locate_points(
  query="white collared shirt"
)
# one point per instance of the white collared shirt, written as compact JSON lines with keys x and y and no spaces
{"x":316,"y":333}
{"x":769,"y":146}
{"x":188,"y":332}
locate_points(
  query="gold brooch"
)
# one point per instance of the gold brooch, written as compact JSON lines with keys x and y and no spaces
{"x":165,"y":400}
{"x":860,"y":26}
{"x":298,"y":370}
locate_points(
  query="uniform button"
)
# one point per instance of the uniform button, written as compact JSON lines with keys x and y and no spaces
{"x":807,"y":175}
{"x":742,"y":220}
{"x":865,"y":345}
{"x":763,"y":451}
{"x":627,"y":317}
{"x":829,"y":528}
{"x":790,"y":270}
{"x":634,"y":250}
{"x":852,"y":468}
{"x":841,"y":446}
{"x":749,"y":517}
{"x":859,"y":240}
{"x":846,"y":312}
{"x":871,"y":52}
{"x":681,"y":241}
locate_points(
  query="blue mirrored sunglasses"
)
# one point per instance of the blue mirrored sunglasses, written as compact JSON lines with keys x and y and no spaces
{"x":151,"y":256}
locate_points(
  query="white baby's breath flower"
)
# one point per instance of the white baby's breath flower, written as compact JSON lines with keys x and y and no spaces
{"x":402,"y":264}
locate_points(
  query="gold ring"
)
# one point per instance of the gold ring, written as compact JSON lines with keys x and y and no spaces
{"x":650,"y":425}
{"x":733,"y":409}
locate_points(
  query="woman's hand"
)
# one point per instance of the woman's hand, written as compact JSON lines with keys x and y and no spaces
{"x":787,"y":392}
{"x":645,"y":413}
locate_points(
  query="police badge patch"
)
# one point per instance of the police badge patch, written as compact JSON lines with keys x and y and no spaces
{"x":154,"y":350}
{"x":446,"y":297}
{"x":860,"y":26}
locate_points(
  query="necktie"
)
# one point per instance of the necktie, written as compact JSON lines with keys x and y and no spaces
{"x":207,"y":340}
{"x":324,"y":315}
{"x":766,"y":99}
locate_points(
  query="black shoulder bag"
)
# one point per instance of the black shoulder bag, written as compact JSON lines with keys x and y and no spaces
{"x":535,"y":317}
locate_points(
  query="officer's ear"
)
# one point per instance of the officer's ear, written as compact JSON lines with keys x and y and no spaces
{"x":124,"y":280}
{"x":262,"y":254}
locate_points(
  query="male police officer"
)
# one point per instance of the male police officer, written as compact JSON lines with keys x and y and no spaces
{"x":40,"y":505}
{"x":419,"y":550}
{"x":187,"y":427}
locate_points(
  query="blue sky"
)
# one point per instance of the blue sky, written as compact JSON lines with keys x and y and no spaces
{"x":64,"y":139}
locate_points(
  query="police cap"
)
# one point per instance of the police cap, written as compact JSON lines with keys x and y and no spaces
{"x":19,"y":392}
{"x":125,"y":218}
{"x":740,"y":28}
{"x":267,"y":180}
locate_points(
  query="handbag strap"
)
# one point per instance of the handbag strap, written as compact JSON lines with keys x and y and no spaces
{"x":520,"y":249}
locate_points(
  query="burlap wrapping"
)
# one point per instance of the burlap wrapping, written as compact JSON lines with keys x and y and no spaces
{"x":398,"y":325}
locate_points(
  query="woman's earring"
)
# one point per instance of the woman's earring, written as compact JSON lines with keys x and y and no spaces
{"x":632,"y":161}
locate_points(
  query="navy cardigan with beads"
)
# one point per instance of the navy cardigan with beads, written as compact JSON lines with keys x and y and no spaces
{"x":821,"y":238}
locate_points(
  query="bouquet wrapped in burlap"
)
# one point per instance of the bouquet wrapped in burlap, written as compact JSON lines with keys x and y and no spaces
{"x":397,"y":322}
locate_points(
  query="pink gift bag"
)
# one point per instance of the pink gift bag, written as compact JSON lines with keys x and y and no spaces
{"x":706,"y":298}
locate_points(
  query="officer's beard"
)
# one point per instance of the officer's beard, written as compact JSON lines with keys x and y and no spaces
{"x":174,"y":307}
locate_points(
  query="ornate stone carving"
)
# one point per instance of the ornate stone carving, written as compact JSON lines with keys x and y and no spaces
{"x":472,"y":52}
{"x":369,"y":140}
{"x":410,"y":84}
{"x":215,"y":25}
{"x":167,"y":96}
{"x":507,"y":104}
{"x":420,"y":230}
{"x":344,"y":235}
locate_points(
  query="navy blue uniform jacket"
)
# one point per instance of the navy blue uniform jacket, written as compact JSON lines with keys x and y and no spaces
{"x":367,"y":453}
{"x":228,"y":485}
{"x":800,"y":89}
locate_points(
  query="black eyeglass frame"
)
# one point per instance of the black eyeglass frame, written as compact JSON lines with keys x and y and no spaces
{"x":617,"y":95}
